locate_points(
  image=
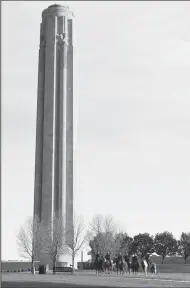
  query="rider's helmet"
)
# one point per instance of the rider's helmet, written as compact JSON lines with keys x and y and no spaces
{"x":108,"y":252}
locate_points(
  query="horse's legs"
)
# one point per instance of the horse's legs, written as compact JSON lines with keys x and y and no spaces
{"x":97,"y":270}
{"x":109,"y":268}
{"x":145,"y":271}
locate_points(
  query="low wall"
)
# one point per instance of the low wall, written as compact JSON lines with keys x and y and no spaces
{"x":85,"y":266}
{"x":173,"y":268}
{"x":170,"y":260}
{"x":21,"y":266}
{"x":11,"y":266}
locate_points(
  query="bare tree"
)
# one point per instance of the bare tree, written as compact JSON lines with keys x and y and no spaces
{"x":96,"y":226}
{"x":76,"y":238}
{"x":29,"y":240}
{"x":109,"y":225}
{"x":95,"y":232}
{"x":54,"y":239}
{"x":117,"y":243}
{"x":101,"y":224}
{"x":103,"y":230}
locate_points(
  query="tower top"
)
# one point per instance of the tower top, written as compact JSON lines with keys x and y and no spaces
{"x":57,"y":10}
{"x":58,"y":5}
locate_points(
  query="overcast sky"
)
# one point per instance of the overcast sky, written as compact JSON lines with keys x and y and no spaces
{"x":132,"y":114}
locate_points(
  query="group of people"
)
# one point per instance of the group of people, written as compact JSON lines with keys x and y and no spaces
{"x":119,"y":258}
{"x":121,"y":263}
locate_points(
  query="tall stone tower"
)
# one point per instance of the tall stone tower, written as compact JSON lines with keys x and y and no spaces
{"x":53,"y":195}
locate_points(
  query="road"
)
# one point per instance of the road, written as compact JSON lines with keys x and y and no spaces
{"x":85,"y":280}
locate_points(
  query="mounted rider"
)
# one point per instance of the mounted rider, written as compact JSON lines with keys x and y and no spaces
{"x":126,"y":258}
{"x":97,"y":257}
{"x":99,"y":260}
{"x":108,"y":257}
{"x":147,"y":258}
{"x":134,"y":258}
{"x":120,"y":258}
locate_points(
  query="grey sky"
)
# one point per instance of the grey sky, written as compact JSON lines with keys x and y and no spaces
{"x":132,"y":103}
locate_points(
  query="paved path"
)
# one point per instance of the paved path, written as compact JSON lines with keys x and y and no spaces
{"x":86,"y":279}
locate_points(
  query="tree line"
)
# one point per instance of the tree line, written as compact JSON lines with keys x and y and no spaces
{"x":106,"y":237}
{"x":102,"y":235}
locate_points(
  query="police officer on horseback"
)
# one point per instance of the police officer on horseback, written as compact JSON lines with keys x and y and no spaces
{"x":97,"y":256}
{"x":147,"y":258}
{"x":134,"y":258}
{"x":99,"y":263}
{"x":107,"y":257}
{"x":120,"y":258}
{"x":126,"y":258}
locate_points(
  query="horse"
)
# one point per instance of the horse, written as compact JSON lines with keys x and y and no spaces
{"x":153,"y":268}
{"x":107,"y":266}
{"x":125,"y":267}
{"x":144,"y":265}
{"x":135,"y":265}
{"x":114,"y":267}
{"x":119,"y":266}
{"x":127,"y":264}
{"x":114,"y":264}
{"x":99,"y":265}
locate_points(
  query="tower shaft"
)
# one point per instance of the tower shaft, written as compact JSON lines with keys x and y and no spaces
{"x":53,"y":191}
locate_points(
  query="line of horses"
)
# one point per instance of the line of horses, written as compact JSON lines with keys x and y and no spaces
{"x":124,"y":266}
